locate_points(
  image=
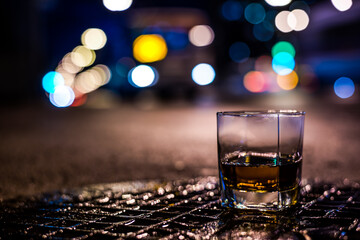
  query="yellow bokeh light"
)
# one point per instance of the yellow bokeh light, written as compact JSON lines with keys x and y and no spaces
{"x":93,"y":38}
{"x":82,"y":56}
{"x":149,"y":48}
{"x":287,"y":82}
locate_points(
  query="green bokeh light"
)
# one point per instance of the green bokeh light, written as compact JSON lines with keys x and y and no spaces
{"x":283,"y":46}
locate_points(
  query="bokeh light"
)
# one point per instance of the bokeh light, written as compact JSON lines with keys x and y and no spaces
{"x":287,"y":82}
{"x":176,"y":39}
{"x":283,"y":63}
{"x":281,"y":21}
{"x":263,"y":64}
{"x":102,"y":73}
{"x":68,"y":65}
{"x":82,"y":56}
{"x":142,"y":76}
{"x":344,"y":87}
{"x":86,"y":81}
{"x":203,"y":74}
{"x":149,"y":48}
{"x":51,"y":80}
{"x":231,"y":10}
{"x":68,"y":77}
{"x":283,"y":46}
{"x":254,"y":13}
{"x":117,"y":5}
{"x":254,"y":81}
{"x":342,"y":5}
{"x":239,"y":52}
{"x":63,"y":96}
{"x":263,"y":31}
{"x":93,"y":38}
{"x":298,"y":20}
{"x":278,"y":3}
{"x":201,"y":35}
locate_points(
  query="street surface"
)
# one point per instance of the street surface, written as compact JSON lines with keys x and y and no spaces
{"x":43,"y":148}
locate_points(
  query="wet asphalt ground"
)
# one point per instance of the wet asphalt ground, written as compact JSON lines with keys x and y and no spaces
{"x":44,"y":149}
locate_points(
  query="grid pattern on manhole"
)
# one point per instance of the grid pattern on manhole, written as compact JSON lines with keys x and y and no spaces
{"x":178,"y":210}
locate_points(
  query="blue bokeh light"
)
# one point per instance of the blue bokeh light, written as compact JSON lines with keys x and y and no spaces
{"x":239,"y":52}
{"x":203,"y":74}
{"x":283,"y":63}
{"x":255,"y":13}
{"x":176,"y":39}
{"x":344,"y":87}
{"x":231,"y":10}
{"x":263,"y":31}
{"x":51,"y":80}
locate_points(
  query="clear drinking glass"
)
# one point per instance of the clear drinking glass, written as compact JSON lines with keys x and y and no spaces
{"x":260,"y":158}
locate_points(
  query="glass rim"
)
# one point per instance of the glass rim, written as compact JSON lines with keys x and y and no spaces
{"x":261,"y":113}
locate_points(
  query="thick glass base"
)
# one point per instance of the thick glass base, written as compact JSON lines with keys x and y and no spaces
{"x":263,"y":201}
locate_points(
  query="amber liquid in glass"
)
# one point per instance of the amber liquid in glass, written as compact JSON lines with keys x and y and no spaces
{"x":261,"y":173}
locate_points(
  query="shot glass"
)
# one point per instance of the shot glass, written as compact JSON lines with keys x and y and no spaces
{"x":260,"y":158}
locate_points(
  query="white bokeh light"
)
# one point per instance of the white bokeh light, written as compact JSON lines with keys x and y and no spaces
{"x":342,"y":5}
{"x":142,"y":76}
{"x":278,"y":3}
{"x":63,"y":96}
{"x":201,"y":35}
{"x":117,"y":5}
{"x":298,"y":20}
{"x":203,"y":74}
{"x":281,"y":21}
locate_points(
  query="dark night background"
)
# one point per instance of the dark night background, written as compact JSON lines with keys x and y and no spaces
{"x":167,"y":130}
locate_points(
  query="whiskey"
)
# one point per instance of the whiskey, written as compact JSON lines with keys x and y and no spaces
{"x":260,"y":172}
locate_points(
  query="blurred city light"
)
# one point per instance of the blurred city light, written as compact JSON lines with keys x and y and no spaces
{"x":68,"y":65}
{"x":176,"y":39}
{"x":298,"y":20}
{"x":283,"y":46}
{"x":143,"y":76}
{"x":201,"y":35}
{"x":263,"y":31}
{"x":231,"y":10}
{"x":254,"y":81}
{"x":63,"y":96}
{"x":254,"y":13}
{"x":281,"y":21}
{"x":287,"y":82}
{"x":239,"y":52}
{"x":102,"y":74}
{"x":68,"y":77}
{"x":278,"y":3}
{"x":149,"y":48}
{"x":344,"y":87}
{"x":283,"y":63}
{"x":51,"y":80}
{"x":342,"y":5}
{"x":82,"y":56}
{"x":117,"y":5}
{"x":86,"y":82}
{"x":263,"y":64}
{"x":203,"y":74}
{"x":93,"y":38}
